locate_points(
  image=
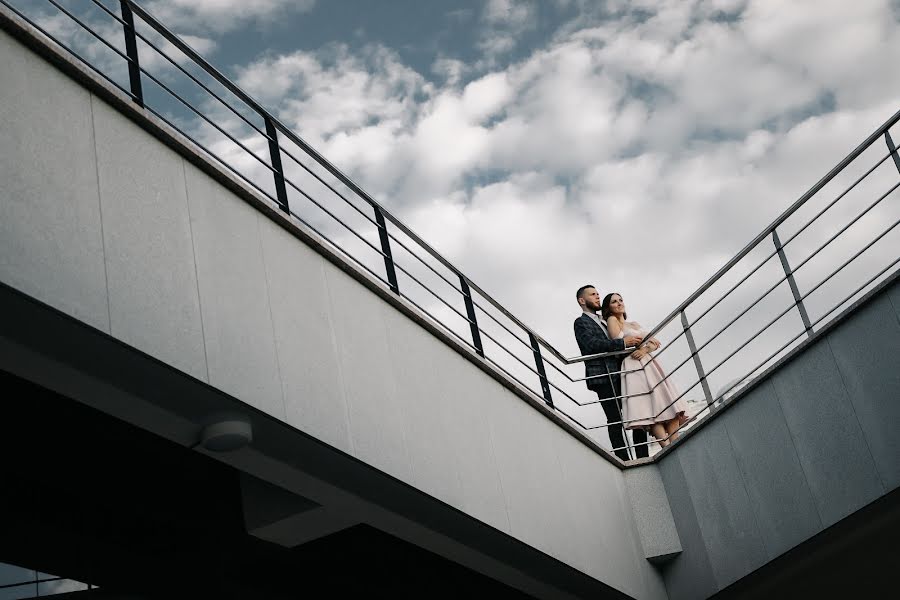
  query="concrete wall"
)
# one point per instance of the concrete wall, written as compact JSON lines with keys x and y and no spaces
{"x":811,"y":444}
{"x":105,"y":223}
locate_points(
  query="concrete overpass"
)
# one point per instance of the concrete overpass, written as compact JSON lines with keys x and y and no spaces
{"x":147,"y":292}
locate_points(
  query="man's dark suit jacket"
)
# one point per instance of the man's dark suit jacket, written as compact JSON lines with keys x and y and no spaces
{"x":592,"y":339}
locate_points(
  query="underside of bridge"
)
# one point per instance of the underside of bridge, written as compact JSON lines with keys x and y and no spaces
{"x":104,"y":480}
{"x":90,"y":498}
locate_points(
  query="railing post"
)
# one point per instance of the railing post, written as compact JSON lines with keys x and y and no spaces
{"x":134,"y":69}
{"x":696,"y":356}
{"x":386,"y":249}
{"x":277,"y":169}
{"x":798,"y":299}
{"x":470,"y":311}
{"x":892,"y":149}
{"x":539,"y":362}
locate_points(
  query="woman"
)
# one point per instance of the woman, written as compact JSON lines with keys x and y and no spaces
{"x":656,"y":411}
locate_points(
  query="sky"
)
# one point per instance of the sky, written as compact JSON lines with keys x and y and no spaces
{"x":541,"y":145}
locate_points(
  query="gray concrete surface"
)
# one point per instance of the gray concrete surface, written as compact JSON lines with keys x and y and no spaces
{"x":143,"y":201}
{"x":808,"y":446}
{"x":100,"y":221}
{"x":51,"y":241}
{"x":652,"y":514}
{"x":201,"y":280}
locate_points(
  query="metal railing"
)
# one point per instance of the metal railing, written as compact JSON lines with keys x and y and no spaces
{"x":239,"y":134}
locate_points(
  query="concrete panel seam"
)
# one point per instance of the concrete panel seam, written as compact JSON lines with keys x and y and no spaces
{"x":333,"y":335}
{"x":100,"y":209}
{"x":794,"y":446}
{"x":187,"y":200}
{"x":500,"y":479}
{"x":884,"y":487}
{"x":339,"y":363}
{"x":262,"y":253}
{"x":896,"y":308}
{"x":753,"y":512}
{"x":690,"y":508}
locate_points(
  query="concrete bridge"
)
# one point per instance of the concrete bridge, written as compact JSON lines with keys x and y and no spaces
{"x":146,"y":294}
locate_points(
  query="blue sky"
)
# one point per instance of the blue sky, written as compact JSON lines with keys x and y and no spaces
{"x":635,"y":144}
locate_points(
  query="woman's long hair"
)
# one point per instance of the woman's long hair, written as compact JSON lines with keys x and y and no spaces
{"x":604,"y":306}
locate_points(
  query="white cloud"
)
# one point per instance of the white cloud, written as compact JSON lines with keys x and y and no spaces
{"x":639,"y":150}
{"x":504,"y":22}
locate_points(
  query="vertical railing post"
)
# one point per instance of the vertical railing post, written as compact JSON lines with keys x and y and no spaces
{"x":134,"y":68}
{"x":386,"y":249}
{"x":696,"y":356}
{"x":892,"y":149}
{"x":277,"y":169}
{"x":542,"y":374}
{"x":798,"y":299}
{"x":470,"y":311}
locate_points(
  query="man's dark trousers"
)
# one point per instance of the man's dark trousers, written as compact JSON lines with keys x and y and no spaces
{"x":603,"y":378}
{"x":617,"y":432}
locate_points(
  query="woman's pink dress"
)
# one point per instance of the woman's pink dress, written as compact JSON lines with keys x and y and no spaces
{"x":641,"y":408}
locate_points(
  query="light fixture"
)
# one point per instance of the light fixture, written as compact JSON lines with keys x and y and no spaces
{"x":226,"y":435}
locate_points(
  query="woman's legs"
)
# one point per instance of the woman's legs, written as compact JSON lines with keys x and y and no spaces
{"x":672,"y":427}
{"x":659,"y":432}
{"x":665,"y":432}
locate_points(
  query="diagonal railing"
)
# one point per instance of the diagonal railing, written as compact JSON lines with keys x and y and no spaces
{"x":165,"y":77}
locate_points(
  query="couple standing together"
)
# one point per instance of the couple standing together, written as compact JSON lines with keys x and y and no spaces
{"x":633,"y":389}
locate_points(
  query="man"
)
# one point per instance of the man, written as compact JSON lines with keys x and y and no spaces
{"x":592,"y":338}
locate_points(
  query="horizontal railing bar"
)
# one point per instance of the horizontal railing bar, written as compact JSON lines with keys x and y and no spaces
{"x":328,"y":185}
{"x":556,"y":409}
{"x":859,"y":289}
{"x":748,"y":379}
{"x":837,"y":199}
{"x":847,"y":262}
{"x":389,"y":216}
{"x":220,"y":160}
{"x":847,"y":226}
{"x":185,"y":71}
{"x":784,"y":245}
{"x":207,"y":119}
{"x":196,"y":58}
{"x":753,"y":305}
{"x":851,"y":259}
{"x":508,"y":351}
{"x":421,"y":260}
{"x":71,"y":51}
{"x":269,"y":197}
{"x":439,"y":322}
{"x":89,"y":30}
{"x":153,"y":22}
{"x":346,"y":181}
{"x":497,"y":321}
{"x":115,"y":17}
{"x":433,"y":293}
{"x":779,"y":316}
{"x":333,"y":216}
{"x":797,"y":268}
{"x":853,"y":155}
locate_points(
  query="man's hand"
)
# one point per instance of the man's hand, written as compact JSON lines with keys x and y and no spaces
{"x":633,"y":340}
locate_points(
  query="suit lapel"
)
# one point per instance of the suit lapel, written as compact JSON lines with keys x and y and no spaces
{"x":595,"y":324}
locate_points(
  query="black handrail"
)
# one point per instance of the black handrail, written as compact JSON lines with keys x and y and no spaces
{"x":381,"y":218}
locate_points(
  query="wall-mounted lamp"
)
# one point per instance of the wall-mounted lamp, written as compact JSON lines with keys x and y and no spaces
{"x":226,"y":435}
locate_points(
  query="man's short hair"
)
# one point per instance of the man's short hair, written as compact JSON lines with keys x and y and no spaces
{"x":580,"y":292}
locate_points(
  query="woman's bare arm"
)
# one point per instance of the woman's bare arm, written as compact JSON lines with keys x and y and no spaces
{"x":614,"y":326}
